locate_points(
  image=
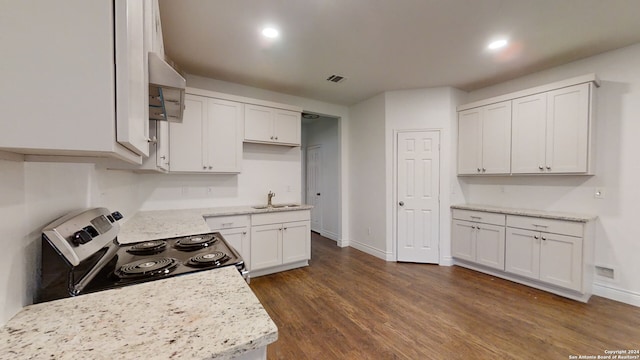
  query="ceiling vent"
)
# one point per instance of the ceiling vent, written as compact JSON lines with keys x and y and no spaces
{"x":336,"y":78}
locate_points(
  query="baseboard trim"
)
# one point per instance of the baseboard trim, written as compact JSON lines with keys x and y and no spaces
{"x":330,"y":235}
{"x":446,"y":261}
{"x":372,"y":251}
{"x":617,"y":294}
{"x":9,"y":156}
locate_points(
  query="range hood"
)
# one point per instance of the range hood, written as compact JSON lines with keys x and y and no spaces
{"x":166,"y":90}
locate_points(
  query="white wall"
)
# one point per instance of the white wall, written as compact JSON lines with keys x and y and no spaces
{"x":315,"y":106}
{"x":367,"y":178}
{"x":617,"y":168}
{"x":34,"y":194}
{"x":424,"y":109}
{"x":264,"y":168}
{"x":325,"y":132}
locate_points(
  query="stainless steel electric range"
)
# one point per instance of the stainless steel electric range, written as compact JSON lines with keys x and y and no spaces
{"x":81,"y":254}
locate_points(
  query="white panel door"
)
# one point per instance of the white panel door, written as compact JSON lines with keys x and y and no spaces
{"x":469,"y":142}
{"x":296,"y":237}
{"x":561,"y":261}
{"x":490,"y":245}
{"x":418,"y":192}
{"x":224,"y":136}
{"x":186,"y":138}
{"x":314,"y":185}
{"x":567,"y":129}
{"x":496,"y":138}
{"x":529,"y":134}
{"x":286,"y":126}
{"x":522,"y":253}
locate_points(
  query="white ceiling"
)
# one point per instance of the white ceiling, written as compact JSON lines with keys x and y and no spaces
{"x":381,"y":45}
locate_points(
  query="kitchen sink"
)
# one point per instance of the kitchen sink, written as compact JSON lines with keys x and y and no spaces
{"x":279,"y":206}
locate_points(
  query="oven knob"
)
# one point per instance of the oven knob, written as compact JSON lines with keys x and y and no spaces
{"x":117,"y":215}
{"x":81,"y":237}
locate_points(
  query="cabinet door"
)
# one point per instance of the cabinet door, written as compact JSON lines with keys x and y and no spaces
{"x":162,"y":145}
{"x":469,"y":142}
{"x":496,"y":138}
{"x":463,"y":243}
{"x":286,"y":127}
{"x":132,"y":89}
{"x":186,"y":138}
{"x":561,"y":261}
{"x":240,"y":240}
{"x":568,"y":129}
{"x":224,"y":137}
{"x":490,"y":241}
{"x":266,"y":246}
{"x":296,"y":241}
{"x":258,"y":123}
{"x":522,"y":252}
{"x":529,"y":134}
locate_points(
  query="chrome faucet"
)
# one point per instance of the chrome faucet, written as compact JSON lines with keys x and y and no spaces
{"x":270,"y":196}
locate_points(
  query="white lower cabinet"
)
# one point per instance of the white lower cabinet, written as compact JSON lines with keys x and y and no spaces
{"x":237,"y":231}
{"x":479,"y":242}
{"x":550,"y":254}
{"x":280,"y":241}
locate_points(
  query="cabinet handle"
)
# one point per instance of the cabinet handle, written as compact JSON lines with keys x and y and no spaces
{"x":540,"y":167}
{"x":272,"y":138}
{"x":473,"y":226}
{"x":535,"y":237}
{"x":163,"y":157}
{"x":548,"y":167}
{"x":478,"y":169}
{"x":210,"y":167}
{"x":285,"y":228}
{"x":544,"y":238}
{"x":476,"y":217}
{"x":244,"y":233}
{"x":484,"y":170}
{"x":543,"y":226}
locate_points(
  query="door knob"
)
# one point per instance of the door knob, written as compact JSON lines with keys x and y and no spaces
{"x":401,"y":203}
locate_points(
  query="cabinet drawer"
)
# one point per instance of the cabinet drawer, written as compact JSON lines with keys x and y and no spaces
{"x":479,"y":216}
{"x":280,"y":217}
{"x":227,"y":222}
{"x":546,"y":225}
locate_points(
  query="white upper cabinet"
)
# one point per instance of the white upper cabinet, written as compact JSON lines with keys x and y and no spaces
{"x":547,"y":129}
{"x":270,"y":125}
{"x":551,"y":131}
{"x":209,"y":139}
{"x":484,"y":138}
{"x":66,"y":96}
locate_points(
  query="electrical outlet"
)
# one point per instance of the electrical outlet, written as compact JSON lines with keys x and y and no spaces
{"x":599,"y":193}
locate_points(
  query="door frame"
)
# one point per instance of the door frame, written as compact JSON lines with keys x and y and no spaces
{"x":319,"y":184}
{"x":394,"y":192}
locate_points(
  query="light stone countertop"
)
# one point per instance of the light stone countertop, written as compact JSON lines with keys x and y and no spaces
{"x":205,"y":315}
{"x":556,"y":215}
{"x":162,"y":224}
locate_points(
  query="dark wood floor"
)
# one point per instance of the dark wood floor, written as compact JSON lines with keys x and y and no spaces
{"x":350,"y":305}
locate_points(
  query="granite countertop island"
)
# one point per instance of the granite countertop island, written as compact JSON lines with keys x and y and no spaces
{"x":162,"y":224}
{"x":205,"y":315}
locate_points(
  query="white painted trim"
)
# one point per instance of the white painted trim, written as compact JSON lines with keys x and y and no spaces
{"x":241,"y":99}
{"x":616,"y":294}
{"x":342,"y":243}
{"x":384,"y":255}
{"x":9,"y":156}
{"x":279,"y":268}
{"x":534,"y":90}
{"x":446,"y":261}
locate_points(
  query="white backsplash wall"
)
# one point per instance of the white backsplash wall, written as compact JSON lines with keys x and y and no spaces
{"x":34,"y":194}
{"x":264,"y":168}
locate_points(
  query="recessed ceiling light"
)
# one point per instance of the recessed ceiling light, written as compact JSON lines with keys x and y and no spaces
{"x":270,"y":32}
{"x":498,"y":44}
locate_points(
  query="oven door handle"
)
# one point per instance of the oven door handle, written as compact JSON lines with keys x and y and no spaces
{"x":75,"y":289}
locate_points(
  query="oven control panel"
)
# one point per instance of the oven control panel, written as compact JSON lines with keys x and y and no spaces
{"x":81,"y":233}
